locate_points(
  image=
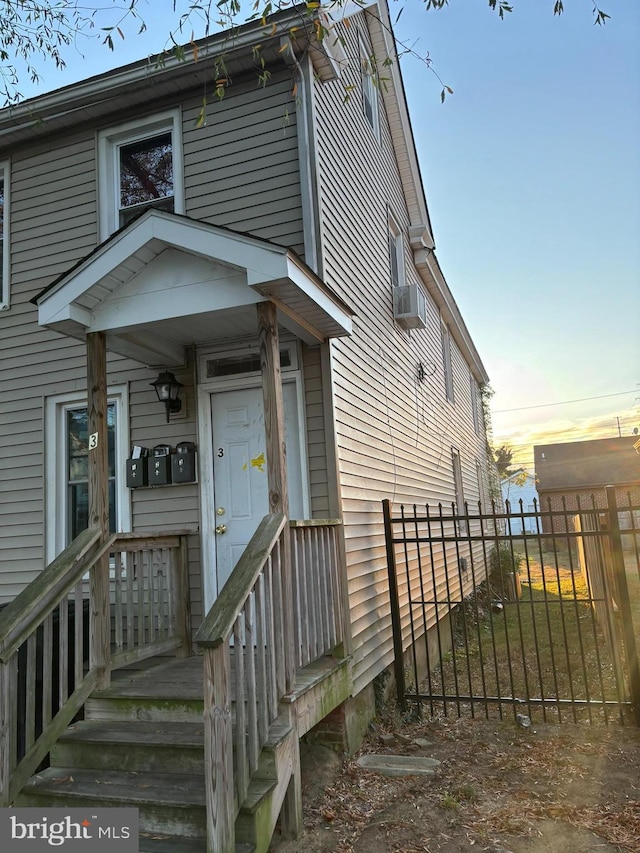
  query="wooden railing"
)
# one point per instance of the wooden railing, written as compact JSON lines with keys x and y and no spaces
{"x":47,"y":631}
{"x":43,"y":682}
{"x":246,"y":639}
{"x":149,"y":597}
{"x":316,"y":580}
{"x":243,"y":638}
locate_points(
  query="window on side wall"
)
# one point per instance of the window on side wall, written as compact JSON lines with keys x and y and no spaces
{"x":446,"y":363}
{"x":140,"y":167}
{"x":459,"y":491}
{"x":480,"y":478}
{"x":369,"y":90}
{"x":396,"y":255}
{"x":4,"y":235}
{"x":475,"y":408}
{"x":67,"y":483}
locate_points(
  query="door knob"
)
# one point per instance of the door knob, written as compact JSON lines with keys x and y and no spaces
{"x":220,"y":529}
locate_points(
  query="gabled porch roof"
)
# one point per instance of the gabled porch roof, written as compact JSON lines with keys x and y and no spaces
{"x":166,"y":281}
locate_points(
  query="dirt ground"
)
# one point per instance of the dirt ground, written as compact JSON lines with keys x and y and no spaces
{"x":499,"y":788}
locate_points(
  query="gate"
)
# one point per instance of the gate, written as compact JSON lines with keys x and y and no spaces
{"x":530,"y":613}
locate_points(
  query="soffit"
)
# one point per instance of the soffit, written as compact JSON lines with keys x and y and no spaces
{"x":166,"y":282}
{"x":128,"y":87}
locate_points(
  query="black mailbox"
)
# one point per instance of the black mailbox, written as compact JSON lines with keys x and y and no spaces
{"x":183,"y":463}
{"x":160,"y":465}
{"x":137,"y":473}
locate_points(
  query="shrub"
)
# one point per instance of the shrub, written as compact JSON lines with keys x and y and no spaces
{"x":503,"y":561}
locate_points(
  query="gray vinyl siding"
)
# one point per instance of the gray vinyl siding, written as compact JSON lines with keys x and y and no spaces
{"x":315,"y":426}
{"x":175,"y":507}
{"x":35,"y":361}
{"x":394,"y":432}
{"x":240,"y":171}
{"x":53,"y":224}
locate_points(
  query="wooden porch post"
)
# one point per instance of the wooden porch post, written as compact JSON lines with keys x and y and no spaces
{"x":277,"y":464}
{"x":98,"y":476}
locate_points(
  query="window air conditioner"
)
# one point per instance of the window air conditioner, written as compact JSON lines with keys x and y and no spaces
{"x":410,"y":307}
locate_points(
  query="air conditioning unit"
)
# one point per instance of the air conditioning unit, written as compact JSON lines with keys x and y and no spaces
{"x":410,"y":307}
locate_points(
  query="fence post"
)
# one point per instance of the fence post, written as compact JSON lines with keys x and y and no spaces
{"x":617,"y":559}
{"x":396,"y":624}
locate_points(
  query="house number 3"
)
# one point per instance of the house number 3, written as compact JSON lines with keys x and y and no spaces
{"x":221,"y":451}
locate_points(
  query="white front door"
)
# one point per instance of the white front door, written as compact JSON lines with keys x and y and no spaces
{"x":241,"y":491}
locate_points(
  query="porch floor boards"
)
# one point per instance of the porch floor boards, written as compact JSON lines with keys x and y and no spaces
{"x":181,"y":678}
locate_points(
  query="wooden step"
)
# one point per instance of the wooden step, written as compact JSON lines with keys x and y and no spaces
{"x":132,"y":745}
{"x":141,"y":745}
{"x":171,"y":691}
{"x":278,"y":733}
{"x":152,"y":842}
{"x":171,"y":804}
{"x":259,"y":812}
{"x":99,"y":707}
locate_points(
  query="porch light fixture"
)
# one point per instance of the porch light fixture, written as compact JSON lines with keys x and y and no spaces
{"x":168,"y":391}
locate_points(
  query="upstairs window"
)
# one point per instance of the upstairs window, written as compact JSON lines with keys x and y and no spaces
{"x":396,"y":255}
{"x":140,"y":167}
{"x":369,"y":90}
{"x":475,"y":408}
{"x":4,"y":235}
{"x":145,"y":176}
{"x":446,"y":363}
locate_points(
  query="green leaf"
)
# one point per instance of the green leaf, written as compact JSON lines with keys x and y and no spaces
{"x":201,"y":121}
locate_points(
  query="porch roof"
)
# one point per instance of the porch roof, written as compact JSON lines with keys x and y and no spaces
{"x":166,"y":281}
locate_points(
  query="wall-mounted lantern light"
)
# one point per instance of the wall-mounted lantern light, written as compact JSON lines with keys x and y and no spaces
{"x":168,"y":391}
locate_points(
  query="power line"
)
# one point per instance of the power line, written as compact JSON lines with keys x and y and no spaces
{"x":539,"y":436}
{"x":564,"y":402}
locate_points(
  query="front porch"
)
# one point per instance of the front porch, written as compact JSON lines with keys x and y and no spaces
{"x":169,"y":736}
{"x":155,"y":292}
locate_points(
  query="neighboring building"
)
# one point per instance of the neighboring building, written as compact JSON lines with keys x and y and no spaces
{"x":129,"y":220}
{"x":520,"y":490}
{"x":575,"y":474}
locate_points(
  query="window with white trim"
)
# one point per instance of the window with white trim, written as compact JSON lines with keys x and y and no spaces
{"x":140,"y":166}
{"x":481,"y":480}
{"x":396,"y":254}
{"x":66,"y":443}
{"x":475,"y":408}
{"x":4,"y":235}
{"x":369,"y":89}
{"x":459,"y":491}
{"x":446,"y":363}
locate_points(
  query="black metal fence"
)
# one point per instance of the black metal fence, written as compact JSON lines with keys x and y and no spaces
{"x":528,"y":612}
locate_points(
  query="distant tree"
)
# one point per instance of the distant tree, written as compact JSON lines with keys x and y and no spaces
{"x":504,"y":458}
{"x":36,"y":32}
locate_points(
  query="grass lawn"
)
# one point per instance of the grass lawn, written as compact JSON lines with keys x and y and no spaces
{"x":547,"y":649}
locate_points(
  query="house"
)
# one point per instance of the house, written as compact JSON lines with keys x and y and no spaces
{"x":519,"y":490}
{"x":574,"y":474}
{"x":183,"y":297}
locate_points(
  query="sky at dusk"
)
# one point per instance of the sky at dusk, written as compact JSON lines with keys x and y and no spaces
{"x":532,"y":175}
